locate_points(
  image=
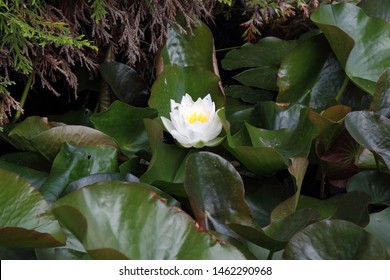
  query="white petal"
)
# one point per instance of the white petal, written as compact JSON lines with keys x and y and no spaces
{"x":215,"y":142}
{"x":187,"y":100}
{"x":184,"y":141}
{"x":168,"y":124}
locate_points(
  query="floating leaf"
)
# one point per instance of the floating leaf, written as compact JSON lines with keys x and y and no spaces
{"x":275,"y":236}
{"x":75,"y":162}
{"x":176,"y":81}
{"x":353,"y":207}
{"x":380,"y":227}
{"x":216,"y":192}
{"x":34,"y":177}
{"x":325,"y":207}
{"x":374,"y":183}
{"x":263,"y":201}
{"x":189,"y":47}
{"x":125,"y":83}
{"x":381,"y":99}
{"x":310,"y":71}
{"x":125,"y":124}
{"x":361,"y":43}
{"x":79,"y":117}
{"x":376,"y":8}
{"x":25,"y":217}
{"x":263,"y":59}
{"x":334,"y":240}
{"x":166,"y":168}
{"x":372,"y":131}
{"x":36,"y":134}
{"x":109,"y":218}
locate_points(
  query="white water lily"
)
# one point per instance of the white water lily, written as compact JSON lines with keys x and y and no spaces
{"x":194,"y":124}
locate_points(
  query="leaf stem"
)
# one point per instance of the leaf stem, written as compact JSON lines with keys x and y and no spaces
{"x":342,"y":89}
{"x":24,"y":97}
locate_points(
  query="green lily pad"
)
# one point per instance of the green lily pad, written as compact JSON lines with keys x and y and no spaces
{"x":275,"y":236}
{"x":263,"y":59}
{"x":36,"y":134}
{"x":166,"y":168}
{"x":376,"y":8}
{"x":124,"y":123}
{"x":189,"y":47}
{"x":334,"y":240}
{"x":216,"y":192}
{"x":270,"y":194}
{"x":125,"y":83}
{"x":174,"y":82}
{"x":353,"y":207}
{"x":380,"y":227}
{"x":28,"y":159}
{"x":310,"y":72}
{"x":79,"y":117}
{"x":109,"y":218}
{"x":381,"y":99}
{"x":325,"y":207}
{"x":74,"y":162}
{"x":25,"y":217}
{"x":372,"y":131}
{"x":35,"y":177}
{"x":361,"y":43}
{"x":374,"y":183}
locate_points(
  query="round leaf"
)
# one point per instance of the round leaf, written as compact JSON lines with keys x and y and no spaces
{"x":125,"y":124}
{"x":74,"y":162}
{"x":380,"y":227}
{"x":372,"y":131}
{"x":374,"y":183}
{"x":381,"y":99}
{"x":25,"y":217}
{"x":334,"y":240}
{"x":176,"y":81}
{"x":36,"y":134}
{"x":128,"y":221}
{"x":190,"y":47}
{"x":125,"y":82}
{"x":216,"y":192}
{"x":361,"y":43}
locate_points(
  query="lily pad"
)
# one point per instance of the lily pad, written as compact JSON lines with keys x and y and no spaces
{"x":189,"y":47}
{"x":263,"y":59}
{"x":166,"y":168}
{"x":125,"y":83}
{"x":334,"y":240}
{"x":361,"y":43}
{"x":75,"y":162}
{"x":372,"y":131}
{"x":310,"y":72}
{"x":37,"y":134}
{"x":125,"y":124}
{"x":380,"y":227}
{"x":216,"y":192}
{"x":109,"y":218}
{"x":374,"y":183}
{"x":381,"y":99}
{"x":20,"y":205}
{"x":174,"y":82}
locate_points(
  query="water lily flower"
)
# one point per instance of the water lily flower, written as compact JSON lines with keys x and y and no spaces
{"x":194,"y":124}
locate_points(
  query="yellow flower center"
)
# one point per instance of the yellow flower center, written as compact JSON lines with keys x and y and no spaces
{"x":194,"y":116}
